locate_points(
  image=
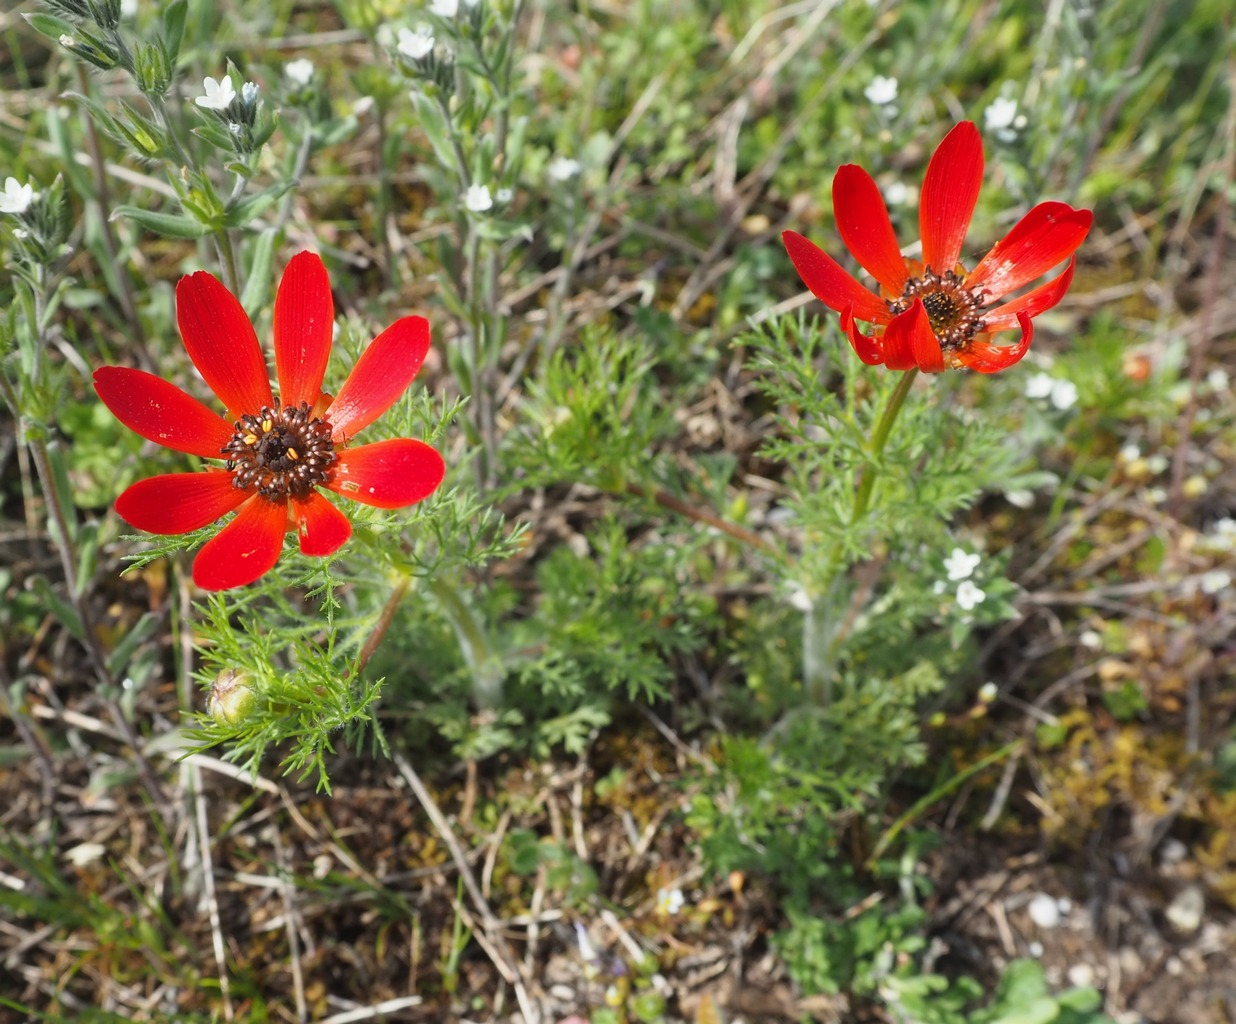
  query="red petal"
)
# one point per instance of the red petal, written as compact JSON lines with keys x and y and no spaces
{"x":179,"y":502}
{"x":862,"y":220}
{"x":831,"y":284}
{"x":248,"y":547}
{"x":304,"y":327}
{"x":220,"y":340}
{"x":323,"y":528}
{"x":161,"y":412}
{"x":388,"y":474}
{"x":867,"y":348}
{"x":1034,"y":302}
{"x":380,"y":376}
{"x":1047,"y":235}
{"x":909,"y":342}
{"x":950,"y":191}
{"x":985,"y":357}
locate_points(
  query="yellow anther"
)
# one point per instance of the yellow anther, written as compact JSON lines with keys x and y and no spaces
{"x":291,"y":454}
{"x":266,"y":425}
{"x":250,"y":439}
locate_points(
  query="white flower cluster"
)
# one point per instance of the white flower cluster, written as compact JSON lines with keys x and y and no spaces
{"x":960,"y":566}
{"x":1001,"y":119}
{"x":1061,"y":393}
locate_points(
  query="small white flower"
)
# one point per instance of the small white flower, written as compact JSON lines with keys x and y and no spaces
{"x":969,"y":596}
{"x":300,"y":72}
{"x":1091,"y":639}
{"x":897,"y":193}
{"x":881,"y":91}
{"x":960,"y":565}
{"x":418,"y":44}
{"x":16,"y":197}
{"x":800,"y":600}
{"x":1218,"y":380}
{"x":504,"y":196}
{"x":477,"y":198}
{"x":1063,"y":394}
{"x":249,"y":93}
{"x":1035,"y":949}
{"x":128,"y":8}
{"x":562,"y":168}
{"x":219,"y":95}
{"x":1225,"y":527}
{"x":1000,"y":114}
{"x":1130,"y":453}
{"x":1215,"y":580}
{"x":1040,"y":385}
{"x":988,"y":692}
{"x":444,"y":8}
{"x":670,"y":901}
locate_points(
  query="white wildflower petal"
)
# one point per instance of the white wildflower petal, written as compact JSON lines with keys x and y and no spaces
{"x":960,"y":565}
{"x":1130,"y":453}
{"x":477,"y":198}
{"x":504,"y":195}
{"x":1000,"y":114}
{"x":988,"y":692}
{"x":881,"y":91}
{"x":444,"y":8}
{"x":300,"y":72}
{"x":896,"y":193}
{"x":670,"y":901}
{"x":1040,"y":385}
{"x":416,"y":44}
{"x":562,"y":168}
{"x":218,"y":95}
{"x":249,"y":93}
{"x":1218,"y":380}
{"x":969,"y":596}
{"x":1063,"y":394}
{"x":16,"y":197}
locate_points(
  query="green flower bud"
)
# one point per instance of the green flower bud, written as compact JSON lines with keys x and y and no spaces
{"x":231,"y":697}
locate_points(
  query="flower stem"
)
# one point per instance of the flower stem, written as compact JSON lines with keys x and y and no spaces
{"x":822,"y":633}
{"x":879,"y":438}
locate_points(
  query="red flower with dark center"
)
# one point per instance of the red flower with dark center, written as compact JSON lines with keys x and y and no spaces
{"x":278,"y":451}
{"x":933,"y":314}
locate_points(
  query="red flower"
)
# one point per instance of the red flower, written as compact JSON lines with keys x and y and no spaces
{"x":933,"y":314}
{"x":279,"y":451}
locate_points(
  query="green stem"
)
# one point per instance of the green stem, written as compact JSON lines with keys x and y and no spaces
{"x":228,"y":256}
{"x":879,"y":438}
{"x":822,"y":633}
{"x":483,"y":661}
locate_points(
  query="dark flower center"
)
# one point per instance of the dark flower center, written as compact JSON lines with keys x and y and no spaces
{"x":280,"y":451}
{"x":954,"y":311}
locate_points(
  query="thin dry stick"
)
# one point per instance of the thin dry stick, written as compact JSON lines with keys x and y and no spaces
{"x":505,"y":958}
{"x":666,"y":500}
{"x":208,"y":893}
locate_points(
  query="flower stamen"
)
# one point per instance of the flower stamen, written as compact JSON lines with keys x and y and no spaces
{"x":954,"y":311}
{"x":281,"y":452}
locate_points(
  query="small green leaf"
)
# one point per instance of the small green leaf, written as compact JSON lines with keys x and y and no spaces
{"x":174,"y":225}
{"x":50,"y":26}
{"x":174,"y":27}
{"x":257,"y":287}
